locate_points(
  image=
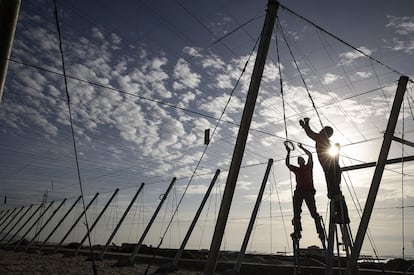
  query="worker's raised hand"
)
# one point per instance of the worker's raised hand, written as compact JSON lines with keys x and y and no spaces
{"x":304,"y":122}
{"x":289,"y":146}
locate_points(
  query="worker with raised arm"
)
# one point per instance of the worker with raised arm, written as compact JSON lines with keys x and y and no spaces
{"x":328,"y":156}
{"x":304,"y":191}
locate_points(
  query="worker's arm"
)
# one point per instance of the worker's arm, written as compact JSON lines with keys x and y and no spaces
{"x":307,"y":152}
{"x":305,"y":125}
{"x":287,"y":161}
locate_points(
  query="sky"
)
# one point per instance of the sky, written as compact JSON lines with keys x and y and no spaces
{"x":146,"y":79}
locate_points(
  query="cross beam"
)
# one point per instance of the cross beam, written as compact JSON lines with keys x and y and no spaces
{"x":373,"y":164}
{"x":403,"y":141}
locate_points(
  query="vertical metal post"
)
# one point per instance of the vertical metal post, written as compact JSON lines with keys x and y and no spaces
{"x":21,"y":217}
{"x":249,"y":230}
{"x":139,"y":244}
{"x":96,"y":221}
{"x":34,"y":224}
{"x":12,"y":219}
{"x":194,"y":222}
{"x":60,"y":222}
{"x":237,"y":158}
{"x":121,"y":221}
{"x":24,"y":224}
{"x":9,"y":12}
{"x":379,"y":169}
{"x":45,"y":224}
{"x":76,"y":222}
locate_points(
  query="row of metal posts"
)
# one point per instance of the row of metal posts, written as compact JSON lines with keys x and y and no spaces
{"x":11,"y":218}
{"x":7,"y":218}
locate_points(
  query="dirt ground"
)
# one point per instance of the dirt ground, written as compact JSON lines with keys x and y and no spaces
{"x":12,"y":262}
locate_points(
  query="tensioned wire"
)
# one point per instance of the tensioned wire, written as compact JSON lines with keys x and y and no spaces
{"x":206,"y":147}
{"x":341,"y":40}
{"x":284,"y":117}
{"x":178,"y":107}
{"x":299,"y":71}
{"x":73,"y":134}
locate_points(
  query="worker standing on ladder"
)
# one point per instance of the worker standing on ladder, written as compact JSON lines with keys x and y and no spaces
{"x":304,"y":191}
{"x":329,"y":159}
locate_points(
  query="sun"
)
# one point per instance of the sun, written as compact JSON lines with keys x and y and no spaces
{"x":334,"y":150}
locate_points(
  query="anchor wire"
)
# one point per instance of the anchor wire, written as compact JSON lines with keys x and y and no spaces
{"x":56,"y":14}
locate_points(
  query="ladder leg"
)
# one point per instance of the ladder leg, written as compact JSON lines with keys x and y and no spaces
{"x":331,"y":240}
{"x":338,"y":250}
{"x":322,"y":232}
{"x":295,"y":240}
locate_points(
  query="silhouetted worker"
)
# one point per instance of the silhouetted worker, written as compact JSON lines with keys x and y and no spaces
{"x":330,"y":165}
{"x":304,"y":191}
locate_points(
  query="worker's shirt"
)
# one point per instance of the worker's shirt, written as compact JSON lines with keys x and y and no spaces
{"x":323,"y":146}
{"x":304,"y":177}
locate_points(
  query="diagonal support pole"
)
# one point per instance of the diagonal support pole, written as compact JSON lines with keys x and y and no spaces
{"x":45,"y":224}
{"x":75,"y":223}
{"x":194,"y":222}
{"x":9,"y":13}
{"x":137,"y":247}
{"x":95,"y":222}
{"x":238,"y":152}
{"x":10,"y":213}
{"x":59,"y":223}
{"x":249,"y":230}
{"x":18,"y":221}
{"x":24,"y":224}
{"x":120,"y":222}
{"x":33,"y":225}
{"x":379,"y":169}
{"x":11,"y":220}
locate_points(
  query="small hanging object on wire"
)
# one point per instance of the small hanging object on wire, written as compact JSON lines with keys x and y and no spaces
{"x":289,"y":145}
{"x":5,"y":199}
{"x":207,"y":136}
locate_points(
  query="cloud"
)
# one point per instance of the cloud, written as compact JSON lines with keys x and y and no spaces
{"x":219,"y":26}
{"x":404,"y":33}
{"x":244,"y":185}
{"x":215,"y":106}
{"x":330,"y":78}
{"x":364,"y":74}
{"x":136,"y":134}
{"x":183,"y":76}
{"x":404,"y":46}
{"x":402,"y":25}
{"x":97,"y":34}
{"x":194,"y":189}
{"x":213,"y":61}
{"x":100,"y":113}
{"x":115,"y":39}
{"x":348,"y":58}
